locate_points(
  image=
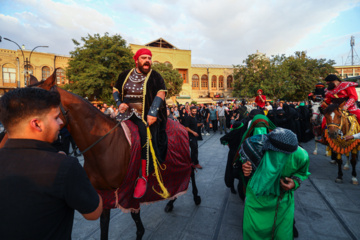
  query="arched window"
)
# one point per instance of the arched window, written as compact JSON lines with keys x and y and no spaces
{"x":45,"y":73}
{"x":156,"y":62}
{"x":213,"y":81}
{"x":195,"y":81}
{"x":229,"y":81}
{"x":167,"y":63}
{"x":9,"y":73}
{"x":60,"y":76}
{"x":221,"y":82}
{"x":204,"y":81}
{"x":30,"y":70}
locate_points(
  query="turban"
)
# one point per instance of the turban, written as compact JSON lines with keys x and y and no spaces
{"x":142,"y":51}
{"x":259,"y":91}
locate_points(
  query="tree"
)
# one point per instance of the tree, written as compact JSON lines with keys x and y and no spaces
{"x":95,"y":66}
{"x":290,"y":77}
{"x":172,"y":78}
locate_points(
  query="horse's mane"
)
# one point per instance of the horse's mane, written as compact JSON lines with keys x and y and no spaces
{"x":331,"y":108}
{"x":88,"y":103}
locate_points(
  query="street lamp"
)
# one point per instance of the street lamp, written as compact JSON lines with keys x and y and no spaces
{"x":28,"y":62}
{"x":22,"y":55}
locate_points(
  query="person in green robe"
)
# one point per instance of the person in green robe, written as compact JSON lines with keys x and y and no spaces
{"x":269,"y":204}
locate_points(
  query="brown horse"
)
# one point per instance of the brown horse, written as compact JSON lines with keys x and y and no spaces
{"x":107,"y":162}
{"x":340,"y":124}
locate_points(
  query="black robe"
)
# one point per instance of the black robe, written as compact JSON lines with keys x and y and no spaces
{"x":154,"y":84}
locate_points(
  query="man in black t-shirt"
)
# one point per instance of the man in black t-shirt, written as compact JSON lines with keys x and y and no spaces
{"x":191,"y":124}
{"x":40,"y":187}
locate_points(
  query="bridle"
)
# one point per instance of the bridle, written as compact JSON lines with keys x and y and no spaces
{"x":338,"y":126}
{"x":66,"y":117}
{"x":62,"y":109}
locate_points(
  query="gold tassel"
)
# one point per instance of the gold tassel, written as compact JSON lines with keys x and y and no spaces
{"x":165,"y":193}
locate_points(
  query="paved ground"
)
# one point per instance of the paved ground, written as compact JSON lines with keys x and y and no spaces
{"x":324,"y":209}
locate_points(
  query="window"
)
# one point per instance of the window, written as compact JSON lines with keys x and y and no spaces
{"x":9,"y":73}
{"x":45,"y":73}
{"x":168,"y":63}
{"x":195,"y":81}
{"x":156,"y":62}
{"x":60,"y":76}
{"x":213,"y":81}
{"x":204,"y":81}
{"x":229,"y":81}
{"x":221,"y":82}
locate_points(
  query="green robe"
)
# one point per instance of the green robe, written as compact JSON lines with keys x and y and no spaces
{"x":259,"y":210}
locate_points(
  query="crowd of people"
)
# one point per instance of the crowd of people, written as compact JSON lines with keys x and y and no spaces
{"x":263,"y":139}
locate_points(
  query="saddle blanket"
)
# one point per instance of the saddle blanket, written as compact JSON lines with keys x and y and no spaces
{"x":175,"y":171}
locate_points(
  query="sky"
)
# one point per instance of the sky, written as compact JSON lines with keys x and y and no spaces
{"x":221,"y":32}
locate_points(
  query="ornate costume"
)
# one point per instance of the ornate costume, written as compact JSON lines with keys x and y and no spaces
{"x":139,"y":92}
{"x":345,"y":91}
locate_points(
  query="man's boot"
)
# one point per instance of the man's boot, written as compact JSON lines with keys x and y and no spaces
{"x":141,"y":181}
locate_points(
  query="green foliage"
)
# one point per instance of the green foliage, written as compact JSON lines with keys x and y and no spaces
{"x":193,"y":102}
{"x":291,"y":78}
{"x":95,"y":66}
{"x":172,"y":78}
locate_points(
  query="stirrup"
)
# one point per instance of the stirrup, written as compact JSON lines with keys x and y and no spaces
{"x":140,"y":187}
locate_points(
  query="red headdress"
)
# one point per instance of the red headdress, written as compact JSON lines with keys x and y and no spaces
{"x":259,"y":91}
{"x":142,"y":51}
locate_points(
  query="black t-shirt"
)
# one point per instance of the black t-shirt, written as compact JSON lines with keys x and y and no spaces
{"x":40,"y":189}
{"x":191,"y":122}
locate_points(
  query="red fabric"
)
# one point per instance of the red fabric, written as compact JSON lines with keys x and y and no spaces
{"x":176,"y":176}
{"x":344,"y":89}
{"x":260,"y":103}
{"x":356,"y":112}
{"x":142,"y":51}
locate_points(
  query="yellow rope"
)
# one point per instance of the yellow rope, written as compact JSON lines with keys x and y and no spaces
{"x":165,"y":193}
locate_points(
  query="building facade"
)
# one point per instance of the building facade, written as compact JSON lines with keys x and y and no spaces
{"x":14,"y":66}
{"x":203,"y":83}
{"x":348,"y":71}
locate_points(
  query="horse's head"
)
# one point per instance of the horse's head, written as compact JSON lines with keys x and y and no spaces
{"x":334,"y":119}
{"x":315,"y":108}
{"x":47,"y":84}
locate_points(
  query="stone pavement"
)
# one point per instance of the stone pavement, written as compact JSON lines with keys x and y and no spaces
{"x":324,"y":209}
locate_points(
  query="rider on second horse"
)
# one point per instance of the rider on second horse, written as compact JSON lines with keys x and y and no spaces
{"x":338,"y":92}
{"x":140,"y":96}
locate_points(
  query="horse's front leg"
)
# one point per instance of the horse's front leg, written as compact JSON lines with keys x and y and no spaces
{"x":353,"y":173}
{"x":170,"y":205}
{"x":347,"y":163}
{"x":140,"y":230}
{"x":197,"y":198}
{"x":104,"y":224}
{"x":316,"y":147}
{"x":340,"y":173}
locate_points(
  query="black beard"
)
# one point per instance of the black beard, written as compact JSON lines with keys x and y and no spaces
{"x":331,"y":86}
{"x":144,"y":71}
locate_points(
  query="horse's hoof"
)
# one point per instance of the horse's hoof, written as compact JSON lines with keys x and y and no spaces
{"x":333,"y":162}
{"x":140,"y":234}
{"x":315,"y":153}
{"x":338,"y":180}
{"x":197,"y":200}
{"x":346,"y":167}
{"x":354,"y":181}
{"x":169,"y":208}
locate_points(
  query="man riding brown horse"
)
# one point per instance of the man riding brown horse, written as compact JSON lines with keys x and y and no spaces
{"x":338,"y":92}
{"x":140,"y":96}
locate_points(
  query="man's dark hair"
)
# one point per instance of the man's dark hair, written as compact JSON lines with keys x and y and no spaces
{"x":193,"y":107}
{"x":24,"y":102}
